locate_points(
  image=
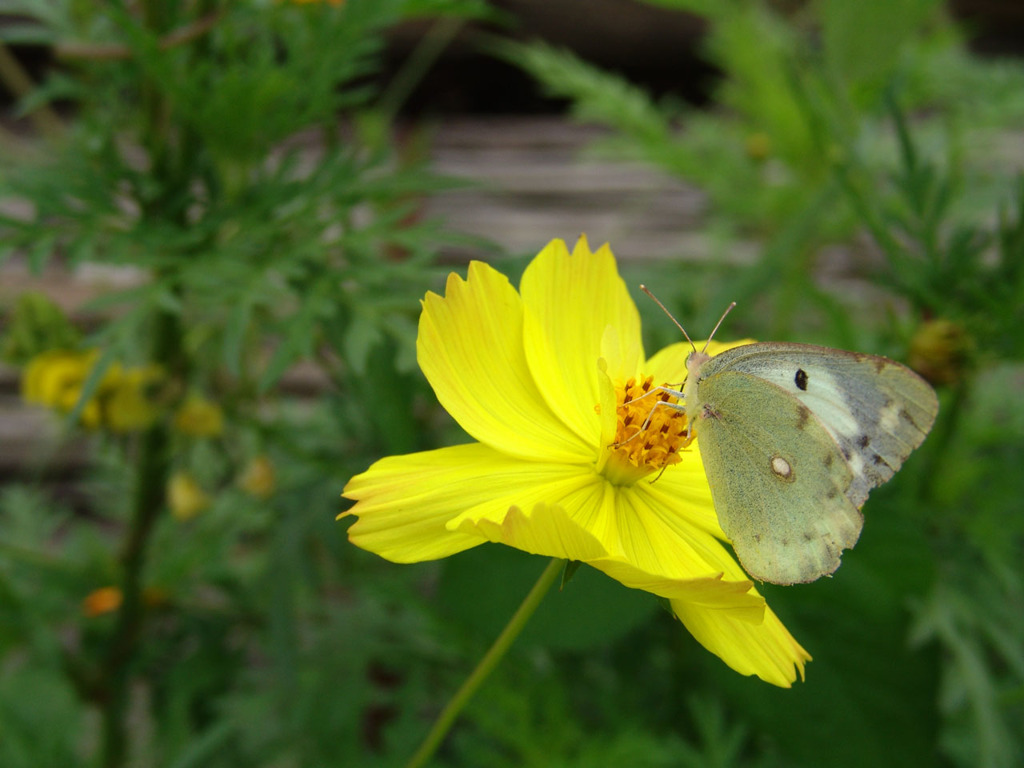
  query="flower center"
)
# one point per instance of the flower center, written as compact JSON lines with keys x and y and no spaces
{"x":638,"y":450}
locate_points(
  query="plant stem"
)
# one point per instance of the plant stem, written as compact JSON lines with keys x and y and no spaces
{"x":486,"y":664}
{"x":422,"y":58}
{"x":943,"y":434}
{"x":151,"y":470}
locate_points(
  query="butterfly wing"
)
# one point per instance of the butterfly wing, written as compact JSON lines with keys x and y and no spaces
{"x":876,"y":410}
{"x":778,"y":479}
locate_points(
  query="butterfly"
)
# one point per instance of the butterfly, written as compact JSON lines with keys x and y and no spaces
{"x":792,"y":438}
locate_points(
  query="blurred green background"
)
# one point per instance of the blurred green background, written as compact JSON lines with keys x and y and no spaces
{"x":217,"y":219}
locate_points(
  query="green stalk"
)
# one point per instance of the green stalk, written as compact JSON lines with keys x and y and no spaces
{"x":943,"y":433}
{"x":148,"y":501}
{"x":486,"y":665}
{"x":422,"y":58}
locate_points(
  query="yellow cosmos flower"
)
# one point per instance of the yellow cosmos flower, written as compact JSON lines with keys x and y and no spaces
{"x":121,"y":401}
{"x":544,"y":380}
{"x":56,"y":377}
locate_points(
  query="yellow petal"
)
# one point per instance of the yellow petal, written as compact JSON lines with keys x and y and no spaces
{"x":546,"y":529}
{"x":766,"y":649}
{"x":470,"y":347}
{"x":408,"y":505}
{"x":617,"y":531}
{"x":579,"y":492}
{"x":668,"y":365}
{"x":572,"y":302}
{"x":682,"y":496}
{"x":712,"y":592}
{"x":658,"y":535}
{"x":32,"y":378}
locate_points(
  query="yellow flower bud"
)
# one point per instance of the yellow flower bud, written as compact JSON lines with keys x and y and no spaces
{"x":128,"y":407}
{"x":184,"y":496}
{"x":759,"y":146}
{"x":100,"y":601}
{"x":258,"y":479}
{"x":940,"y":351}
{"x":199,"y":417}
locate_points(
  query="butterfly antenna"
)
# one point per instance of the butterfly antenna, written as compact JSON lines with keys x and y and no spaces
{"x":670,"y":317}
{"x":715,"y":329}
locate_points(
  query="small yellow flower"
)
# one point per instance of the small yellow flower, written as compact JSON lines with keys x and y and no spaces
{"x":120,"y":401}
{"x":184,"y":496}
{"x":258,"y":479}
{"x":100,"y":601}
{"x":199,"y":417}
{"x":545,"y":380}
{"x":55,"y":378}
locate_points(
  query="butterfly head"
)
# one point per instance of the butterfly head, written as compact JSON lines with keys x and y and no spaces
{"x":694,"y":361}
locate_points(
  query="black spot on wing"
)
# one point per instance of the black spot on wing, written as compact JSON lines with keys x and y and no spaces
{"x":905,"y":415}
{"x":801,"y":379}
{"x":863,"y":441}
{"x":879,"y":460}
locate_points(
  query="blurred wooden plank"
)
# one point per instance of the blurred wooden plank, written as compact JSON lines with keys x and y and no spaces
{"x":533,"y":181}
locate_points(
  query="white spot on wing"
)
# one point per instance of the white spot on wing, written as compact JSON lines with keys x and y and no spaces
{"x":824,"y":397}
{"x":781,"y":467}
{"x":830,"y":406}
{"x":856,"y":464}
{"x":889,"y":418}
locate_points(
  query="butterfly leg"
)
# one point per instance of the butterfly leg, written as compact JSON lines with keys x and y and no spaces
{"x":650,"y":415}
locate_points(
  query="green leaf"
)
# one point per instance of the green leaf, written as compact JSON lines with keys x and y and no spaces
{"x":870,"y":699}
{"x":863,"y":39}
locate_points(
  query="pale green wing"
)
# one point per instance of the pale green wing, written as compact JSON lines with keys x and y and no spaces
{"x":875,"y":409}
{"x":778,"y":479}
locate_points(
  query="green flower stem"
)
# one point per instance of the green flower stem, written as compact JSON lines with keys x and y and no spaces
{"x":486,"y":665}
